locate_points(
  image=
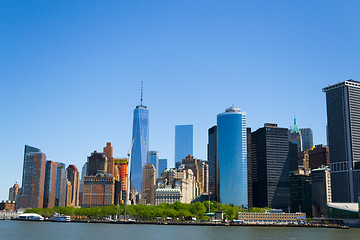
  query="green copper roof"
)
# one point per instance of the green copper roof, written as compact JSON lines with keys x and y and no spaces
{"x":295,"y":127}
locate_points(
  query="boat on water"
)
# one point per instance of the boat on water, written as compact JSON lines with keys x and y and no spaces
{"x":61,"y":218}
{"x":30,"y":217}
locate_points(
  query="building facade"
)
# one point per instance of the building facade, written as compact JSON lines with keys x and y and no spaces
{"x":214,"y":171}
{"x":307,"y":138}
{"x":14,"y":191}
{"x":162,"y":166}
{"x":50,"y":184}
{"x":183,"y":142}
{"x":97,"y":163}
{"x":300,"y":192}
{"x":319,"y":156}
{"x":99,"y":191}
{"x":343,"y":115}
{"x":200,"y":170}
{"x":140,"y":145}
{"x":60,"y":194}
{"x":108,"y":152}
{"x":321,"y":191}
{"x":74,"y":177}
{"x":149,"y":185}
{"x":232,"y":156}
{"x":33,"y":179}
{"x":153,"y":158}
{"x":271,"y":187}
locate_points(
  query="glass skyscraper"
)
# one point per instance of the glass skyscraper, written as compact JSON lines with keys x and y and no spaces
{"x":183,"y":142}
{"x":307,"y":138}
{"x":162,"y":166}
{"x":153,"y":158}
{"x":343,"y":115}
{"x":140,"y":145}
{"x":213,"y":164}
{"x":232,"y":156}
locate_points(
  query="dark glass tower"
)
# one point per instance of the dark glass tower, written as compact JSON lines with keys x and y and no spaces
{"x":270,"y":166}
{"x":213,"y":165}
{"x":343,"y":115}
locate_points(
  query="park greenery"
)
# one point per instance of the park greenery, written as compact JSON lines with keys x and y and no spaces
{"x":177,"y":211}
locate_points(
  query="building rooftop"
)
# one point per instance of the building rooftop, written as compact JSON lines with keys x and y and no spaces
{"x":349,"y":82}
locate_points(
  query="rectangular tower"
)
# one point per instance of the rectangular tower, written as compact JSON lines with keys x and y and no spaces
{"x":162,"y":166}
{"x":214,"y":180}
{"x":50,"y":184}
{"x":343,"y":115}
{"x":270,"y":147}
{"x":183,"y":142}
{"x":153,"y":158}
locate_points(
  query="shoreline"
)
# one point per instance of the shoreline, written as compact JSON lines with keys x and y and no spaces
{"x":201,"y":224}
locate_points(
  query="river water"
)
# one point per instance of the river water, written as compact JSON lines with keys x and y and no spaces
{"x":87,"y":231}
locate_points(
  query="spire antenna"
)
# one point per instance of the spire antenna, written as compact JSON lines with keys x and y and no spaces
{"x":141,"y":99}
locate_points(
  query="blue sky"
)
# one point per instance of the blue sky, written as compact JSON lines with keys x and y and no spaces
{"x":70,"y":71}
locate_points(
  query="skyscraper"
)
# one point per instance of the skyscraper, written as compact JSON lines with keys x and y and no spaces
{"x":140,"y":144}
{"x":108,"y":152}
{"x":183,"y":142}
{"x":307,"y":138}
{"x":149,"y":185}
{"x":232,"y":156}
{"x":270,"y":147}
{"x":343,"y":116}
{"x":213,"y":164}
{"x":74,"y":178}
{"x":33,"y":179}
{"x":97,"y":163}
{"x":60,"y":195}
{"x":295,"y":136}
{"x":153,"y":158}
{"x":162,"y":166}
{"x":14,"y":191}
{"x":50,"y":184}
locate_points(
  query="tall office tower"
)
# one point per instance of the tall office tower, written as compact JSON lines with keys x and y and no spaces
{"x":343,"y":115}
{"x":97,"y":163}
{"x":321,"y":191}
{"x":140,"y":144}
{"x":270,"y":149}
{"x":99,"y":190}
{"x":122,"y":166}
{"x":60,"y":195}
{"x":200,"y":170}
{"x":293,"y":156}
{"x":68,"y":202}
{"x":300,"y":192}
{"x":50,"y":184}
{"x":33,"y":179}
{"x":183,"y":142}
{"x":153,"y":158}
{"x":74,"y":178}
{"x":214,"y":178}
{"x":319,"y":156}
{"x":295,"y":136}
{"x":148,"y":185}
{"x":108,"y":152}
{"x":162,"y":166}
{"x":232,"y":156}
{"x":307,"y":138}
{"x":81,"y":188}
{"x":14,"y":191}
{"x":249,"y":168}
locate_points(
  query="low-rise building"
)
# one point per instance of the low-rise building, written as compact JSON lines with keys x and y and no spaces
{"x":99,"y":190}
{"x":167,"y":195}
{"x":7,"y":205}
{"x":271,"y":217}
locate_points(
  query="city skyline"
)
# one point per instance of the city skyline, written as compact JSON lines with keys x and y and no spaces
{"x":59,"y":74}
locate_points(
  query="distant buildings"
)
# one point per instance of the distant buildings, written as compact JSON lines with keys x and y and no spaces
{"x":300,"y":192}
{"x":295,"y":136}
{"x":97,"y":163}
{"x":14,"y":191}
{"x":99,"y":190}
{"x":271,"y":187}
{"x":108,"y":152}
{"x":33,"y":179}
{"x":60,"y":194}
{"x":307,"y":138}
{"x":200,"y":170}
{"x":232,"y":156}
{"x":343,"y":115}
{"x":183,"y":142}
{"x":319,"y":156}
{"x":140,"y":144}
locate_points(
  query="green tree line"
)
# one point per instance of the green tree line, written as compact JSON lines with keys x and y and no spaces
{"x":180,"y":211}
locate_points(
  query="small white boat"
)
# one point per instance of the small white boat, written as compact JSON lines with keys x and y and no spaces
{"x":30,"y":217}
{"x":61,"y":218}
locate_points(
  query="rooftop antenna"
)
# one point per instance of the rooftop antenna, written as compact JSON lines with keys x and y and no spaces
{"x":141,"y":100}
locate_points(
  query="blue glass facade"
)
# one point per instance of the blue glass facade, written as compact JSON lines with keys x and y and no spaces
{"x":162,"y":166}
{"x":140,"y":145}
{"x":183,"y":142}
{"x":232,"y":157}
{"x":153,"y":158}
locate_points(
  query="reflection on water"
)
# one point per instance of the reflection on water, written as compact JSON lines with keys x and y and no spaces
{"x":88,"y":231}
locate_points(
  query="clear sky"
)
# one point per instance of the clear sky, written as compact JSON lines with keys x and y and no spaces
{"x":70,"y":71}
